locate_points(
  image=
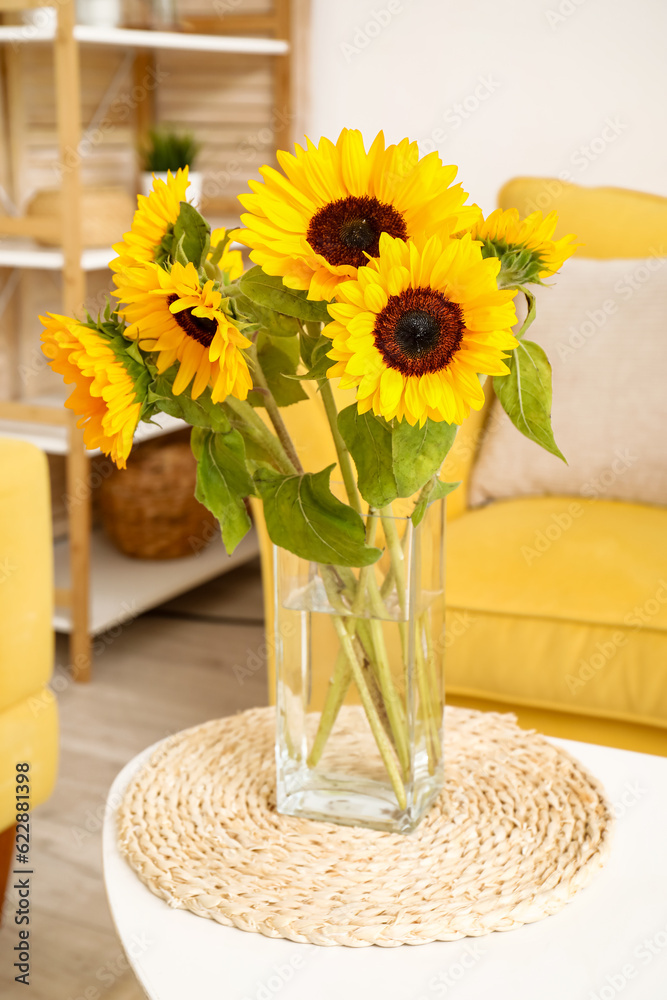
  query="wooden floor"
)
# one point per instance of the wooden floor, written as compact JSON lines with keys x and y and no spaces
{"x":165,"y":671}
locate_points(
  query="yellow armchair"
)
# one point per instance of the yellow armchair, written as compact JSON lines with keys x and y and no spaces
{"x":28,"y":713}
{"x":576,"y":640}
{"x":565,"y":643}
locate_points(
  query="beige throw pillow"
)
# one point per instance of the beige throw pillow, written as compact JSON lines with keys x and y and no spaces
{"x":604,"y":328}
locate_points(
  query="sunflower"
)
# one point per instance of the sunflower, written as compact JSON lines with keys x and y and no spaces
{"x":418,"y":325}
{"x":525,"y":246}
{"x":321,"y":220}
{"x":172,"y":313}
{"x":108,"y":393}
{"x":153,"y":221}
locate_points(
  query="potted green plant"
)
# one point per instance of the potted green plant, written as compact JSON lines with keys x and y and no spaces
{"x":166,"y":150}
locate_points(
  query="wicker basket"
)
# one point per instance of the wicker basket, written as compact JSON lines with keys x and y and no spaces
{"x":149,"y":510}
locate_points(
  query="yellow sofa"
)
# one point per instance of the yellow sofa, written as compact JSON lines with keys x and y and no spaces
{"x":28,"y":713}
{"x":576,"y":641}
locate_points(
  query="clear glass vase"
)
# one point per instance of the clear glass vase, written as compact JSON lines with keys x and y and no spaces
{"x":359,"y":677}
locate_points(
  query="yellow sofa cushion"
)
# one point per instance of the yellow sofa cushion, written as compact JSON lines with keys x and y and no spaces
{"x":610,"y":222}
{"x":26,"y":572}
{"x":28,"y":732}
{"x":560,"y":603}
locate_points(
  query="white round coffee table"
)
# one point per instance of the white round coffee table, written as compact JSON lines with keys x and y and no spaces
{"x":610,"y":941}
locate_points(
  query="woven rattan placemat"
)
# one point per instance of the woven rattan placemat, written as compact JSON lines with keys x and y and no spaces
{"x":520,"y":827}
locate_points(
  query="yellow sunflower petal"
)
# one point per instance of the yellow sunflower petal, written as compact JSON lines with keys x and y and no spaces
{"x":418,"y":326}
{"x":105,"y":396}
{"x":318,"y":224}
{"x":172,"y":313}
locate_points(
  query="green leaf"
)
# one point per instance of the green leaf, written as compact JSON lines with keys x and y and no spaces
{"x":531,"y":313}
{"x":223,"y":481}
{"x":303,"y":516}
{"x":428,"y":496}
{"x":368,"y":439}
{"x":266,"y":319}
{"x":268,"y":290}
{"x":525,"y":394}
{"x":319,"y":362}
{"x":201,"y":412}
{"x":191,"y":236}
{"x":310,"y":337}
{"x":279,"y":357}
{"x":418,"y":452}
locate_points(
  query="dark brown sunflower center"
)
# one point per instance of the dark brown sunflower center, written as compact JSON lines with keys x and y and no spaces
{"x":200,"y":328}
{"x":419,"y":331}
{"x":344,"y":231}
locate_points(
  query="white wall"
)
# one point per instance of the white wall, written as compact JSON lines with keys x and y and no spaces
{"x":575,"y":88}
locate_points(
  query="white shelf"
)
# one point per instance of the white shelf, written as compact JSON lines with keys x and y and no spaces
{"x":138,"y":38}
{"x":27,"y":253}
{"x":53,"y":440}
{"x":25,"y":33}
{"x":122,"y":588}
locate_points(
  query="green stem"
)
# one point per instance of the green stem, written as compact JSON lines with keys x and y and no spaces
{"x":381,"y":738}
{"x":373,"y":644}
{"x":426,"y":490}
{"x":253,"y":427}
{"x":435,"y":680}
{"x":274,"y":415}
{"x":348,"y":663}
{"x":342,"y":673}
{"x":395,"y":554}
{"x":336,"y":694}
{"x":388,"y":581}
{"x":341,"y":448}
{"x":532,"y":311}
{"x":390,"y":696}
{"x":425,"y":702}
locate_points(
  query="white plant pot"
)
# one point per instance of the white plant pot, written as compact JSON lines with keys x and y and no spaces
{"x":194,"y":191}
{"x":41,"y":19}
{"x":99,"y":13}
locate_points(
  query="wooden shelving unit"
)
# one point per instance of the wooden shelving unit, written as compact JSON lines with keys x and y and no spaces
{"x":121,"y":587}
